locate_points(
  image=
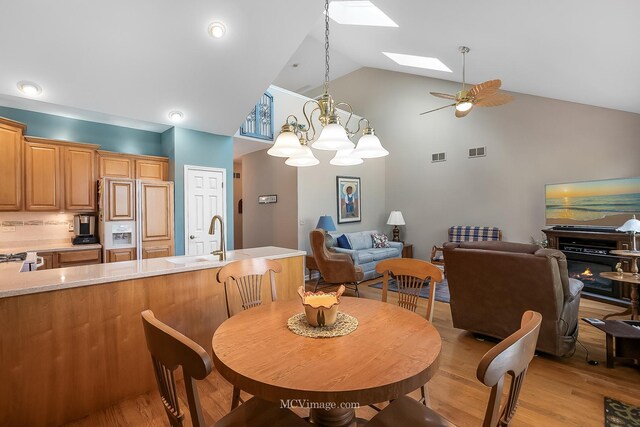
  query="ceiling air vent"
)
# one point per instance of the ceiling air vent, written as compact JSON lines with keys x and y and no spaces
{"x":438,"y":157}
{"x":477,"y":152}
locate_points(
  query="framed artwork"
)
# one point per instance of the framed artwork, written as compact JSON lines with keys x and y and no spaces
{"x":349,"y":199}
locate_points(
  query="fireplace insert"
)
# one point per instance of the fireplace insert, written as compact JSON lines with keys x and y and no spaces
{"x":586,"y":260}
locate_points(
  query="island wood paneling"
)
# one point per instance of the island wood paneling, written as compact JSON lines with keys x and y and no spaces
{"x":68,"y":353}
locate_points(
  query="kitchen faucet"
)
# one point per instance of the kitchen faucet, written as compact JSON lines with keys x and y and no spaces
{"x":222,"y":252}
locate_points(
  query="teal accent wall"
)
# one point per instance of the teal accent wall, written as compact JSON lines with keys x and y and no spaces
{"x":194,"y":148}
{"x":111,"y":138}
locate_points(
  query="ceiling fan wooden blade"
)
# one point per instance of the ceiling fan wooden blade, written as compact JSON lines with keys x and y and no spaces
{"x":431,"y":111}
{"x":460,"y":114}
{"x":494,"y":100}
{"x":443,"y":95}
{"x":484,"y":89}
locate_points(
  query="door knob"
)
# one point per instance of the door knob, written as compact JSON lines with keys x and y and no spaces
{"x":192,"y":237}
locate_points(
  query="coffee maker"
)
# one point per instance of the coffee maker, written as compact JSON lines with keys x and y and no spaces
{"x":84,"y":228}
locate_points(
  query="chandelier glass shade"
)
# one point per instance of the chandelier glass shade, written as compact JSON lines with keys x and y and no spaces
{"x":333,"y":136}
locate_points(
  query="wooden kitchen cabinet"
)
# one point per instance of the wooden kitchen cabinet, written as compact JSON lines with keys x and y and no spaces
{"x":80,"y":179}
{"x":48,"y":258}
{"x":59,"y":175}
{"x":78,"y":257}
{"x":157,"y":219}
{"x":117,"y":255}
{"x":114,"y":165}
{"x":149,"y":168}
{"x":42,"y":177}
{"x":121,"y":195}
{"x":11,"y":165}
{"x":155,"y":251}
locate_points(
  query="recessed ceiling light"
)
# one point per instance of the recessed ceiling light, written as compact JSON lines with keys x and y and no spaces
{"x":217,"y":30}
{"x":359,"y":13}
{"x":418,"y":61}
{"x":29,"y":88}
{"x":176,"y":116}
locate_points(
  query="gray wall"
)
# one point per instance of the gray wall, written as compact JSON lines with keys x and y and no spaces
{"x":271,"y":224}
{"x":530,"y":142}
{"x":317,"y":196}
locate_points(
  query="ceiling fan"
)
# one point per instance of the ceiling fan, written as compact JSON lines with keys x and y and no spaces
{"x":482,"y":95}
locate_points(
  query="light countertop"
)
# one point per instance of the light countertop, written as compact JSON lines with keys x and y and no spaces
{"x":14,"y":283}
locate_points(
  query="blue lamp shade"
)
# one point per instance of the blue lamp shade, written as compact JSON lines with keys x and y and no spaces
{"x":326,"y":223}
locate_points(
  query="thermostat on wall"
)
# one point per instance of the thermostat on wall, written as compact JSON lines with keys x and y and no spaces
{"x":267,"y":199}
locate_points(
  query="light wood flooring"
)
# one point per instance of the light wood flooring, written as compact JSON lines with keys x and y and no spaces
{"x":556,"y":392}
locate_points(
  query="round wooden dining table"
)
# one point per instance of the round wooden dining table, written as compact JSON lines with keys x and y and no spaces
{"x":392,"y":352}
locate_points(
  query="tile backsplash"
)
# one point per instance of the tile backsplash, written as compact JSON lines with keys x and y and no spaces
{"x":43,"y":226}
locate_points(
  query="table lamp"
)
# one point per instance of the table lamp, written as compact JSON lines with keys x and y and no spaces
{"x":631,"y":226}
{"x":396,"y":219}
{"x":326,"y":223}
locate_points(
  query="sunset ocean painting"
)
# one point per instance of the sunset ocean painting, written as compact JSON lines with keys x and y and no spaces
{"x":607,"y":203}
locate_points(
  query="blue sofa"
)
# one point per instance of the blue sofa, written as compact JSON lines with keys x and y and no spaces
{"x":364,"y":254}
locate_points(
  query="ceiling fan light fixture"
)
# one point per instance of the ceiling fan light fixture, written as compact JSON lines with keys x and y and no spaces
{"x":464,"y":106}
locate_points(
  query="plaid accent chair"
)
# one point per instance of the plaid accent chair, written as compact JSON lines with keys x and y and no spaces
{"x":465,"y":233}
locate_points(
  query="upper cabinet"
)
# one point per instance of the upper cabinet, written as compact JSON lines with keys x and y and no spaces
{"x":11,"y":165}
{"x":42,"y":173}
{"x":113,"y":165}
{"x":80,"y":179}
{"x":117,"y":165}
{"x":151,"y":168}
{"x":59,"y":175}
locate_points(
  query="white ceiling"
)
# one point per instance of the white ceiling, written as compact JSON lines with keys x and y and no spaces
{"x":131,"y":62}
{"x":141,"y":59}
{"x":584,"y":51}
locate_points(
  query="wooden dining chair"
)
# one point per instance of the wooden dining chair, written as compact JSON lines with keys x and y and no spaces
{"x":170,"y":350}
{"x":410,"y":275}
{"x":248,"y":275}
{"x":509,"y":357}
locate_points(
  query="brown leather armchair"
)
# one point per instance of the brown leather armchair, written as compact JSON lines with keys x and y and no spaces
{"x":493,"y":283}
{"x":335,"y":268}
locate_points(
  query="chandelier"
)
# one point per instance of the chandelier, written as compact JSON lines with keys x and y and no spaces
{"x":294,"y":137}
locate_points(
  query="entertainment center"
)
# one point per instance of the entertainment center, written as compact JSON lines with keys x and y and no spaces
{"x":588,"y":255}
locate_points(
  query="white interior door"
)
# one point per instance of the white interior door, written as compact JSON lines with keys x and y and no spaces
{"x":204,"y":196}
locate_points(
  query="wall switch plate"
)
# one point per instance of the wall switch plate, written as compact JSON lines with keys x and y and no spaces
{"x":301,"y":222}
{"x":70,"y":227}
{"x":8,"y":228}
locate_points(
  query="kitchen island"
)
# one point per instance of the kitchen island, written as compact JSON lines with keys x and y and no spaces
{"x":72,"y":340}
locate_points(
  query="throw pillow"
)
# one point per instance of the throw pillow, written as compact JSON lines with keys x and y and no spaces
{"x":380,"y":240}
{"x":343,"y":242}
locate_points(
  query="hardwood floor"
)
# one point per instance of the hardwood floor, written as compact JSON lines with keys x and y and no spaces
{"x":556,"y":392}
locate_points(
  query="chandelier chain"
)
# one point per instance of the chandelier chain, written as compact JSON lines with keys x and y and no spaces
{"x":326,"y":46}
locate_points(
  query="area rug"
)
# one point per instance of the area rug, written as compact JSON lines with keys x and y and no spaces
{"x":620,"y":414}
{"x":442,"y":290}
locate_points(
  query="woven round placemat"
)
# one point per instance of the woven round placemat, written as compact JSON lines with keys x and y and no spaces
{"x":344,"y":325}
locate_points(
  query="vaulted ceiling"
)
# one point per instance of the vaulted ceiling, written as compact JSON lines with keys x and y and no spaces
{"x":131,"y":62}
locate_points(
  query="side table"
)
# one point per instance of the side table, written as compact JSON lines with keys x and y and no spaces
{"x":623,"y":339}
{"x":633,"y":279}
{"x":407,"y":250}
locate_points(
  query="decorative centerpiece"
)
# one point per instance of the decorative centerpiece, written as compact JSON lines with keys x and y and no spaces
{"x":320,"y":308}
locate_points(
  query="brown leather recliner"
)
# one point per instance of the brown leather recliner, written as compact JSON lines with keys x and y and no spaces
{"x":493,"y":283}
{"x":335,"y":268}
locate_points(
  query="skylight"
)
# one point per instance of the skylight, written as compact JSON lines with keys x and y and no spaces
{"x":359,"y":13}
{"x":418,"y":61}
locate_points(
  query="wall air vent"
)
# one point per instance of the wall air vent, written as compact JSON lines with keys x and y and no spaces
{"x":477,"y":152}
{"x":438,"y":157}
